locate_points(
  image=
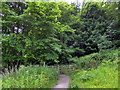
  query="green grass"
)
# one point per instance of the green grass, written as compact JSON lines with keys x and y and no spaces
{"x":93,"y":60}
{"x":0,"y":83}
{"x":104,"y":76}
{"x":31,"y":77}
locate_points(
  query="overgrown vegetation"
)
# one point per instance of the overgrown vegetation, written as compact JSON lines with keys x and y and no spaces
{"x":56,"y":32}
{"x":38,"y":33}
{"x":0,"y":83}
{"x":105,"y":76}
{"x":31,"y":77}
{"x":94,"y":60}
{"x":102,"y":77}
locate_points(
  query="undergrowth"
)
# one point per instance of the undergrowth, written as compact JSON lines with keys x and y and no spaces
{"x":94,"y":60}
{"x":0,"y":83}
{"x":105,"y":75}
{"x":102,"y":77}
{"x":31,"y":77}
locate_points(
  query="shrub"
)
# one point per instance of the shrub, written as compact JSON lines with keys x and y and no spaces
{"x":0,"y":83}
{"x":94,"y":60}
{"x":104,"y":76}
{"x":31,"y":77}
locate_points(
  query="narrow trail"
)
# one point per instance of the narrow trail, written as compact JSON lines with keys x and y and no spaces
{"x":62,"y":83}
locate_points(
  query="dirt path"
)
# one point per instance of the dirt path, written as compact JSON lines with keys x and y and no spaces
{"x":63,"y":82}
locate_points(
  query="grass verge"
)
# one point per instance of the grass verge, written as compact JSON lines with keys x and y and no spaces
{"x":31,"y":77}
{"x":104,"y":76}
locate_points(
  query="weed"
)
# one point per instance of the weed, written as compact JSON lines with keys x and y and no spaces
{"x":104,"y":76}
{"x":31,"y":77}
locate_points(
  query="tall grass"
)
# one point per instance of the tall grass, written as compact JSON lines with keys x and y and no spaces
{"x":31,"y":77}
{"x":104,"y":76}
{"x":94,"y":60}
{"x":0,"y":83}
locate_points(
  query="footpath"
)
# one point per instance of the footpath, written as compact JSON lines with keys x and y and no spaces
{"x":63,"y":82}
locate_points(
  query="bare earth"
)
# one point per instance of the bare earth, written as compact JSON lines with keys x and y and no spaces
{"x":62,"y":83}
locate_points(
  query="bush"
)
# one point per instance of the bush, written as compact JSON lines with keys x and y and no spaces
{"x":31,"y":77}
{"x":94,"y":60}
{"x":0,"y":83}
{"x":105,"y":76}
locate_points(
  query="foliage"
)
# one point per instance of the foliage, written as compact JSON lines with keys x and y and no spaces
{"x":21,"y":40}
{"x":31,"y":77}
{"x":57,"y":32}
{"x":105,"y":76}
{"x":0,"y":83}
{"x":60,"y":33}
{"x":94,"y":60}
{"x":102,"y":77}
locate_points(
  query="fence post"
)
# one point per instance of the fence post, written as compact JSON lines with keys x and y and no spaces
{"x":58,"y":67}
{"x":44,"y":64}
{"x":73,"y":68}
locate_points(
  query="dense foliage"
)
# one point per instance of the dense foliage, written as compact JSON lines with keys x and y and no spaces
{"x":94,"y":60}
{"x":53,"y":32}
{"x":31,"y":77}
{"x":105,"y":76}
